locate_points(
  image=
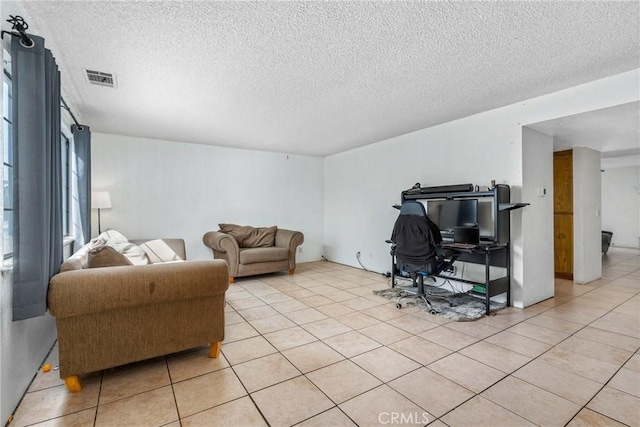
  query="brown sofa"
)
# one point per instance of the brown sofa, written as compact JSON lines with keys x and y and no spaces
{"x":247,"y":260}
{"x":112,"y":316}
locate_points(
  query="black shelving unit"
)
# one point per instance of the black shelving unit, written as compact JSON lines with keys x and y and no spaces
{"x":492,"y":252}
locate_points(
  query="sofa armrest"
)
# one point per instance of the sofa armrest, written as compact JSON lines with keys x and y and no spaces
{"x":290,"y":240}
{"x":94,"y":290}
{"x":221,"y":242}
{"x":224,"y":246}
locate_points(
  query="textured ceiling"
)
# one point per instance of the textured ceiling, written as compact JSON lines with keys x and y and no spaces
{"x":319,"y":78}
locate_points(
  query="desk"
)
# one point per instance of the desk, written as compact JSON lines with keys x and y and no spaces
{"x":496,"y":255}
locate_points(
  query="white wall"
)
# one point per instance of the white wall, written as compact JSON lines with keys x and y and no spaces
{"x":175,"y":189}
{"x":587,"y":238}
{"x":23,"y":344}
{"x":362,"y":184}
{"x":620,"y":205}
{"x":537,"y":218}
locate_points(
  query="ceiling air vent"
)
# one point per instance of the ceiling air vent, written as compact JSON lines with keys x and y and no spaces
{"x":100,"y":78}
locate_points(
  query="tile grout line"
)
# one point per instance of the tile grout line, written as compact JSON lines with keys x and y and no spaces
{"x":480,"y":340}
{"x":383,"y":345}
{"x":535,"y":358}
{"x":173,"y":391}
{"x":336,"y":276}
{"x":554,"y":346}
{"x":336,"y":405}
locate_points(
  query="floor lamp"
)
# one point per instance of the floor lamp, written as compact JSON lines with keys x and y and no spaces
{"x":100,"y":200}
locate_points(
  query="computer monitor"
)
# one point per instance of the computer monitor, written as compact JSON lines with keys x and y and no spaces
{"x":449,"y":214}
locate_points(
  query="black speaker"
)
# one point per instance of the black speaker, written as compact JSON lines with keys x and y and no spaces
{"x":457,"y":188}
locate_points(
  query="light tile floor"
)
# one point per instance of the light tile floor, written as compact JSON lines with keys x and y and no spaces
{"x":320,"y":349}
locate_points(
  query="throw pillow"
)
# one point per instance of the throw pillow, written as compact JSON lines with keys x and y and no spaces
{"x":158,"y":251}
{"x":116,"y":240}
{"x":238,"y":232}
{"x":250,"y":237}
{"x":263,"y":237}
{"x":106,"y":256}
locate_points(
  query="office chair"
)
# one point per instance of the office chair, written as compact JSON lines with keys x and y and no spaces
{"x":414,"y":251}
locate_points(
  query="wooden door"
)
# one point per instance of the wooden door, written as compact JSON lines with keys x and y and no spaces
{"x":563,"y":213}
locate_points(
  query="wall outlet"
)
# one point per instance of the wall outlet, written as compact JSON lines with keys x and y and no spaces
{"x":299,"y":249}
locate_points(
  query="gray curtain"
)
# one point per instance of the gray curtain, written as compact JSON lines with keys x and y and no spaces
{"x":82,"y":144}
{"x":37,"y":197}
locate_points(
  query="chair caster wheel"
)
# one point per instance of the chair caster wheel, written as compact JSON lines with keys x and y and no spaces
{"x":433,"y":311}
{"x":398,"y":306}
{"x":451,"y":304}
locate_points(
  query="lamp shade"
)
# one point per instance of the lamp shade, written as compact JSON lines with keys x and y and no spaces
{"x":100,"y":200}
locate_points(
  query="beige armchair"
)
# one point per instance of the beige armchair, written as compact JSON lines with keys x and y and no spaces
{"x":248,"y":261}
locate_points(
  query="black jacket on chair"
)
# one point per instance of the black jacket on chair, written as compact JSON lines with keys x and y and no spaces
{"x":415,"y":236}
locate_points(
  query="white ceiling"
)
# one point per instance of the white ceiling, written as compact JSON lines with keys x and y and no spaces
{"x":319,"y":78}
{"x":613,"y":131}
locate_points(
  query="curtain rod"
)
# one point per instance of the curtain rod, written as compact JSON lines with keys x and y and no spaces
{"x":18,"y":23}
{"x":66,"y":107}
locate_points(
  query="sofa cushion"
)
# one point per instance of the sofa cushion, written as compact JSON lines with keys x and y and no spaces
{"x":251,"y":237}
{"x":159,"y":251}
{"x":254,"y":255}
{"x":106,"y":256}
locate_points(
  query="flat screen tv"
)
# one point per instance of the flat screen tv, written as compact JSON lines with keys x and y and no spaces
{"x":448,"y":214}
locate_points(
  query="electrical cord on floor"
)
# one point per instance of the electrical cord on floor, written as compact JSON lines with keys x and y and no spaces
{"x":461,"y":289}
{"x":443,"y":275}
{"x":435,"y":283}
{"x":455,"y":288}
{"x":447,"y":280}
{"x":366,"y":269}
{"x":360,"y":262}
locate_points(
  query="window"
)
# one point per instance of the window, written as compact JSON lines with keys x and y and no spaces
{"x":7,"y":114}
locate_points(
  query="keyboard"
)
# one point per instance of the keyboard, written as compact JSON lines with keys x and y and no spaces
{"x":456,"y":245}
